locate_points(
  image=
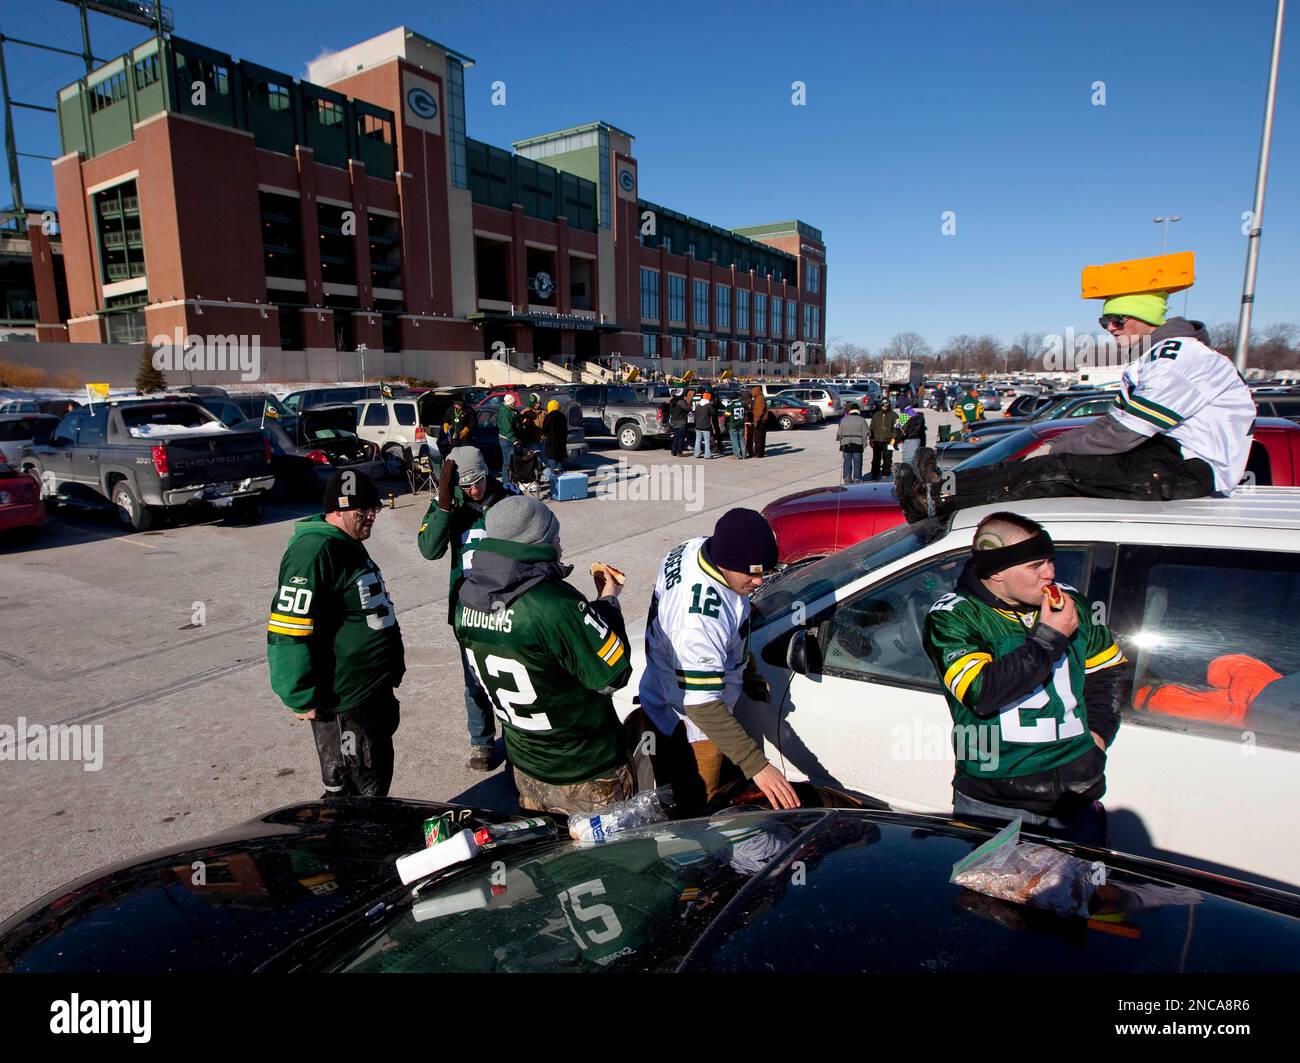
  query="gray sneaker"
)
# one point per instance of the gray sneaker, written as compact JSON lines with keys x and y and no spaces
{"x":480,"y":758}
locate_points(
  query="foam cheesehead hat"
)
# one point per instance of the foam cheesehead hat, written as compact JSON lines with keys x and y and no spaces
{"x":1139,"y":287}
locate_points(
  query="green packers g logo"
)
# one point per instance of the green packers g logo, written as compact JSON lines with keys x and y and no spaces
{"x":422,"y":103}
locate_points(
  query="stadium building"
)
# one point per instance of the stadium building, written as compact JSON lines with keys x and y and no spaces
{"x":211,"y":195}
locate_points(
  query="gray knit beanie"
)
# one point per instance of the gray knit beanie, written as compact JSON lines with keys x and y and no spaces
{"x":470,"y":466}
{"x":521,"y":519}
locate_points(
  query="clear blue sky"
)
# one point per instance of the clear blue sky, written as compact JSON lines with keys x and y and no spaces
{"x":914,"y":108}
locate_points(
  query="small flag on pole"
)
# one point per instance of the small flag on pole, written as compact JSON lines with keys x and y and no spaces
{"x":269,"y":411}
{"x":96,"y":391}
{"x":386,"y":390}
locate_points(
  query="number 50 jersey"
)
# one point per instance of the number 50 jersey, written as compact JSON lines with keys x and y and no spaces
{"x":696,"y":639}
{"x":332,"y":638}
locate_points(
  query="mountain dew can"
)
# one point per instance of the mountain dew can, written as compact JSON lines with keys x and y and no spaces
{"x":438,"y":829}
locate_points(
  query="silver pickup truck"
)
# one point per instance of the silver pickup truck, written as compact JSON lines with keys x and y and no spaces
{"x":143,"y":455}
{"x":614,"y":410}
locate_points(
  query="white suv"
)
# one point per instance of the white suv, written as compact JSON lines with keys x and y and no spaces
{"x":1181,"y":584}
{"x":824,"y":397}
{"x":393,"y":425}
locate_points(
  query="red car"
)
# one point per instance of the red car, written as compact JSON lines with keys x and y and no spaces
{"x":812,"y":524}
{"x":22,"y":511}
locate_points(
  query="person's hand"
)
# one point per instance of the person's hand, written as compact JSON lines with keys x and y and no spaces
{"x":310,"y":714}
{"x":776,"y":788}
{"x":1038,"y":452}
{"x":446,"y":485}
{"x":606,"y":585}
{"x":1100,"y":744}
{"x":1066,"y":621}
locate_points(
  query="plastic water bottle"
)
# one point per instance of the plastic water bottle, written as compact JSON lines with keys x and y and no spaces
{"x":649,"y":806}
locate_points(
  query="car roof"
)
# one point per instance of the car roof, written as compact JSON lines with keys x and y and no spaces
{"x":1260,"y":507}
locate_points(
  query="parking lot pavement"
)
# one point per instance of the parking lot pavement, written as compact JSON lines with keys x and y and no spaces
{"x":157,"y":643}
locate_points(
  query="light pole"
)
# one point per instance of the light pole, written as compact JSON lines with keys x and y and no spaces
{"x":1164,"y":241}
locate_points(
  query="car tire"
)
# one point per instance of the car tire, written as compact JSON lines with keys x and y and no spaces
{"x":395,"y":461}
{"x":629,"y":437}
{"x":786,"y":423}
{"x":132,"y":514}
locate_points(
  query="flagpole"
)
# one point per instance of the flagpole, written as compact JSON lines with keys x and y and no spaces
{"x":1257,"y":214}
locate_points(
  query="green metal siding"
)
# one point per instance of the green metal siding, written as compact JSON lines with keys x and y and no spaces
{"x":584,"y":163}
{"x":499,"y":179}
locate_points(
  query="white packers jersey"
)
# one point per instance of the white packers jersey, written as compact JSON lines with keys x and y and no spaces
{"x":696,"y":640}
{"x":1196,"y":396}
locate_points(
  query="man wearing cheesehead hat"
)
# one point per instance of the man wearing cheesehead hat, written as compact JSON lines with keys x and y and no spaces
{"x":549,"y":660}
{"x":1034,"y":685}
{"x":698,"y":663}
{"x":455,"y":521}
{"x":1180,"y":428}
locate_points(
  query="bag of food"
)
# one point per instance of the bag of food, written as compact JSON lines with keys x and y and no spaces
{"x":1031,"y":874}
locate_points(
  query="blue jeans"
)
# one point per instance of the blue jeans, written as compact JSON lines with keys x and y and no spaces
{"x":703,"y":438}
{"x":907,"y":455}
{"x":1087,"y":826}
{"x":507,"y":451}
{"x":852,"y":466}
{"x":479,"y":717}
{"x":737,"y":440}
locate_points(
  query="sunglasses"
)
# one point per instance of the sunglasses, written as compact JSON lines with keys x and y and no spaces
{"x":1118,"y":320}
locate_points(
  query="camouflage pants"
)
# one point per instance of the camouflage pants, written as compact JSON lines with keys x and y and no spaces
{"x":589,"y":796}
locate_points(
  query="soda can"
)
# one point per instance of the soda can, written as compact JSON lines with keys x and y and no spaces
{"x":437,"y":829}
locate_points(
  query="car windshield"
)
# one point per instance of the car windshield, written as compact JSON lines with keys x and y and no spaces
{"x":638,"y":903}
{"x":1053,"y":410}
{"x":180,"y":413}
{"x":807,"y":583}
{"x":1005,"y":447}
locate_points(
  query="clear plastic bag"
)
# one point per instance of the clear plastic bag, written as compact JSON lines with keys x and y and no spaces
{"x":649,"y":806}
{"x":1027,"y":873}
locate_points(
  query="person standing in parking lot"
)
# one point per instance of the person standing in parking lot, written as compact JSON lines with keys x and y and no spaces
{"x":455,"y":521}
{"x":1035,"y":688}
{"x":555,"y":433}
{"x":883,"y":423}
{"x":852,"y":438}
{"x":508,"y":434}
{"x":704,"y":426}
{"x":698,"y":663}
{"x":758,"y":411}
{"x":736,"y":426}
{"x":457,"y":425}
{"x":910,"y":433}
{"x":678,"y":414}
{"x":551,"y":660}
{"x":969,"y":410}
{"x":333,"y":643}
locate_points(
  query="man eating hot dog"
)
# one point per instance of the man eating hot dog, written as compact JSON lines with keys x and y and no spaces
{"x":1034,"y":685}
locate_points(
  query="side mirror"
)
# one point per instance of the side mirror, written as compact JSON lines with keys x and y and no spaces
{"x":803,"y":654}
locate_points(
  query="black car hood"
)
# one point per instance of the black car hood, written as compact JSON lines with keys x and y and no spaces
{"x":228,"y":902}
{"x":846,"y":889}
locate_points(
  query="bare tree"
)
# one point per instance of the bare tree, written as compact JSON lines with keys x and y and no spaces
{"x":1025,"y":351}
{"x":956,"y":354}
{"x":909,"y":345}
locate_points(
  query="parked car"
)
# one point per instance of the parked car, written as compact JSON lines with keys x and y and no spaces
{"x":788,"y":412}
{"x":21,"y":510}
{"x":1279,"y":405}
{"x":1026,"y":405}
{"x":1182,"y":584}
{"x":54,"y":407}
{"x":297,"y":401}
{"x":393,"y":425}
{"x":308,"y":449}
{"x":992,"y":399}
{"x":141,"y":456}
{"x":616,"y":410}
{"x":1083,"y":405}
{"x":811,"y":524}
{"x":224,"y":410}
{"x":312,"y":888}
{"x":825,"y":398}
{"x":20,"y":430}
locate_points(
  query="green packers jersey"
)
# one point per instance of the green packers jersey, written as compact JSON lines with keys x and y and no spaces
{"x":1042,"y":730}
{"x":332,"y":637}
{"x":735,"y":413}
{"x":547,"y":661}
{"x":969,"y":410}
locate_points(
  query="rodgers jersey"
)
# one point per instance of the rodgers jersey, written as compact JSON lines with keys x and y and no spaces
{"x":696,"y":640}
{"x":1196,"y":396}
{"x":1046,"y":728}
{"x":549,"y":661}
